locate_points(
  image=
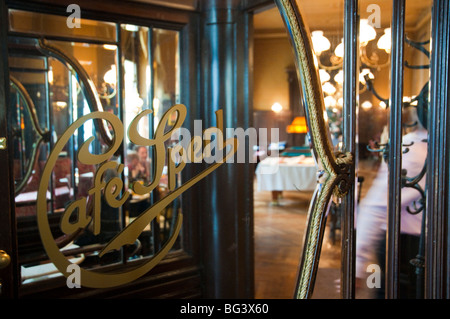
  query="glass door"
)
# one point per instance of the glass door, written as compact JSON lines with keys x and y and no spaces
{"x":81,"y":178}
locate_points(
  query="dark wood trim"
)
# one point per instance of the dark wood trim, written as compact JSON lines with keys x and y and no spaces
{"x":176,"y":276}
{"x":351,"y":92}
{"x":226,"y":226}
{"x":8,"y":243}
{"x":121,"y":11}
{"x":179,"y":274}
{"x":254,"y":5}
{"x":217,"y":256}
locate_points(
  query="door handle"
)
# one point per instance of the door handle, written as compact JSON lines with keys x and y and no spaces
{"x":334,"y":168}
{"x":5,"y":259}
{"x":2,"y":143}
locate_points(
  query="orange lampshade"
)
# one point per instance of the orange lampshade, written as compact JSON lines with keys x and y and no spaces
{"x":298,"y":125}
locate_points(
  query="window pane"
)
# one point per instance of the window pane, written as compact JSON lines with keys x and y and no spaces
{"x":166,"y":94}
{"x":68,"y":78}
{"x":51,"y":88}
{"x":137,"y":81}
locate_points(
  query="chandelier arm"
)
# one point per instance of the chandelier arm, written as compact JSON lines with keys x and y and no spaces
{"x":371,"y":88}
{"x":417,"y":67}
{"x":419,"y":46}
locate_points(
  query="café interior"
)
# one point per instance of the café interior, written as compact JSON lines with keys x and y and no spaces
{"x":99,"y":95}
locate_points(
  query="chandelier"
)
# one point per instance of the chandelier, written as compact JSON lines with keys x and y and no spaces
{"x":331,"y":62}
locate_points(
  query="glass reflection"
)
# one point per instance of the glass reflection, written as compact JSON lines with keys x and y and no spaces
{"x":166,"y":94}
{"x":373,"y":166}
{"x":49,"y":96}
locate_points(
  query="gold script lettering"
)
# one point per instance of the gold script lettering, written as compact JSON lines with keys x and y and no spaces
{"x":114,"y":188}
{"x":132,"y":231}
{"x":157,"y":142}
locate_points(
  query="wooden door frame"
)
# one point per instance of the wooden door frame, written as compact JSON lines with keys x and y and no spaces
{"x":194,"y":268}
{"x":8,"y":241}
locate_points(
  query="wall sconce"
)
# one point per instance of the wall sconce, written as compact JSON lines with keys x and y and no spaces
{"x":276,"y":107}
{"x":366,"y":105}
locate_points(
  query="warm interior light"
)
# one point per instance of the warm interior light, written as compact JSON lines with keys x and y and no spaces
{"x":298,"y":125}
{"x":320,"y":42}
{"x":363,"y":73}
{"x":131,"y":27}
{"x":366,"y":105}
{"x":366,"y":31}
{"x":276,"y":107}
{"x":414,"y":102}
{"x":324,"y":75}
{"x":339,"y":77}
{"x":339,"y":51}
{"x":330,"y":101}
{"x":50,"y":75}
{"x":110,"y":76}
{"x":384,"y":43}
{"x":59,"y":105}
{"x":328,"y":88}
{"x":109,"y":47}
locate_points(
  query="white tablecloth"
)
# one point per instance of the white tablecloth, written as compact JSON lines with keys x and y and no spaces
{"x":297,"y":173}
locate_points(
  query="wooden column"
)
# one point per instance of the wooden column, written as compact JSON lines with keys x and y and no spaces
{"x":227,"y":195}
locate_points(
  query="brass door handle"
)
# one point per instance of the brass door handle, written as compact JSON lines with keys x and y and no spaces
{"x":2,"y":143}
{"x":334,"y":167}
{"x":5,"y":260}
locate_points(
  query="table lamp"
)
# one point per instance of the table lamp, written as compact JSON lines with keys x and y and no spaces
{"x":298,"y":125}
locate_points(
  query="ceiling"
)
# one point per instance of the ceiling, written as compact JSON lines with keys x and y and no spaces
{"x":328,"y":15}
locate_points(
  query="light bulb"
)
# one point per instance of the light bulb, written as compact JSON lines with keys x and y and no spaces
{"x":320,"y":42}
{"x":328,"y":88}
{"x":364,"y":72}
{"x":339,"y":51}
{"x":110,"y":76}
{"x":384,"y":43}
{"x":339,"y":77}
{"x":366,"y":105}
{"x":330,"y":101}
{"x":324,"y":76}
{"x":276,"y":107}
{"x":366,"y":31}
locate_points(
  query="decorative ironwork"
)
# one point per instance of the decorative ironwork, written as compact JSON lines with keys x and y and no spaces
{"x":44,"y":135}
{"x":421,"y":103}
